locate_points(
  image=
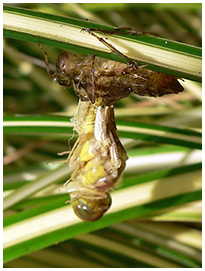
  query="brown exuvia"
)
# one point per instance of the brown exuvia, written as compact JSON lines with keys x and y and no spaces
{"x":97,"y":77}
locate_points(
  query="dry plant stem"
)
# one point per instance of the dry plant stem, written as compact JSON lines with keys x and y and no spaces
{"x":20,"y":153}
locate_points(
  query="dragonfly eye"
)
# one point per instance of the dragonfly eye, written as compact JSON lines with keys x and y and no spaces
{"x":91,"y":210}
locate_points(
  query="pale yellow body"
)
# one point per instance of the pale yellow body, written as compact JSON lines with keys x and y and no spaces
{"x":98,"y":158}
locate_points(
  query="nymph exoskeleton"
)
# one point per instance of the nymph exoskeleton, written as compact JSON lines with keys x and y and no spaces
{"x":94,"y":77}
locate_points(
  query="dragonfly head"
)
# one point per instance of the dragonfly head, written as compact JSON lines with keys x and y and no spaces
{"x":91,"y":209}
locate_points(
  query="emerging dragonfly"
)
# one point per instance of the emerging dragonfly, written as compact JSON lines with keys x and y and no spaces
{"x":98,"y":157}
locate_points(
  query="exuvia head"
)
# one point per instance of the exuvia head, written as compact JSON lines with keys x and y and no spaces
{"x":64,"y":73}
{"x":66,"y":67}
{"x":61,"y":68}
{"x":91,"y":209}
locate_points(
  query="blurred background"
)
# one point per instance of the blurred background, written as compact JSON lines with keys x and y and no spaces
{"x":29,"y":91}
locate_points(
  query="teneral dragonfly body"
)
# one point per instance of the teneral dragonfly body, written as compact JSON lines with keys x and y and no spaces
{"x":97,"y":159}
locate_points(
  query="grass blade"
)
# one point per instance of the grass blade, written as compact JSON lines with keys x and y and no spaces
{"x":166,"y":55}
{"x":59,"y":125}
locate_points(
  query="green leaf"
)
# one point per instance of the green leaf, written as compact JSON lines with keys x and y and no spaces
{"x":155,"y":218}
{"x":59,"y":125}
{"x":45,"y":240}
{"x":161,"y":54}
{"x":174,"y":188}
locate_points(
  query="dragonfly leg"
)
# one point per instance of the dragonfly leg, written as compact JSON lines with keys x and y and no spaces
{"x":59,"y":161}
{"x":124,"y":30}
{"x":46,"y":61}
{"x":130,"y":61}
{"x":63,"y":153}
{"x":67,"y":182}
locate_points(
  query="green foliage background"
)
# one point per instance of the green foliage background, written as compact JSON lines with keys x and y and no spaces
{"x":155,"y":220}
